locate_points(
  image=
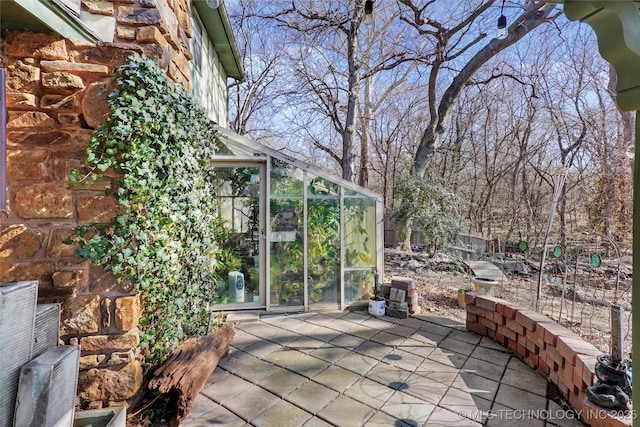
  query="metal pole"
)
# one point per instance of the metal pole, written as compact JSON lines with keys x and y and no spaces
{"x":617,"y":334}
{"x":558,"y":182}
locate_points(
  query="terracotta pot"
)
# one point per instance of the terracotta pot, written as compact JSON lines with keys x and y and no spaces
{"x":461,"y":301}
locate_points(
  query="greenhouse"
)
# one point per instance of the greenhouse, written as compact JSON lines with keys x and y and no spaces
{"x":298,"y":239}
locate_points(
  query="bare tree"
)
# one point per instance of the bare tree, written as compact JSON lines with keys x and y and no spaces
{"x":262,"y":60}
{"x":453,"y":41}
{"x":610,"y":205}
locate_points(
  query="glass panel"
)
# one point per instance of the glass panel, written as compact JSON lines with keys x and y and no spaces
{"x":323,"y":233}
{"x":238,"y":198}
{"x":229,"y":147}
{"x":287,"y":252}
{"x":350,"y":192}
{"x":322,"y":187}
{"x":360,"y":232}
{"x":358,"y":285}
{"x":286,"y":179}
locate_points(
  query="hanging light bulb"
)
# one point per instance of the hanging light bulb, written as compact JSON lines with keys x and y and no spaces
{"x":502,"y":27}
{"x":368,"y":12}
{"x":502,"y":24}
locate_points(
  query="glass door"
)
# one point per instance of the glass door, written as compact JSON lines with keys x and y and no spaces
{"x":240,"y":198}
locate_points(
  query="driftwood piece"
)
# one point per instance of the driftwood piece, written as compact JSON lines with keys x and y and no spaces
{"x":186,"y":371}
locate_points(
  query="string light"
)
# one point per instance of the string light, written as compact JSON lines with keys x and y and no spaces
{"x":502,"y":24}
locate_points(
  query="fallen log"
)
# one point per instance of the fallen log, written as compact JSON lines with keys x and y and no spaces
{"x":186,"y":371}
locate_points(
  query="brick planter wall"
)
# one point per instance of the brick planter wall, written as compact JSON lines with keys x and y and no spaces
{"x":546,"y":346}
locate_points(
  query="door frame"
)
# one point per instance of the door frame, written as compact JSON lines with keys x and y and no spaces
{"x":262,"y":165}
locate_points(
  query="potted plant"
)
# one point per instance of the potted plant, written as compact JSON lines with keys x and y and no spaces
{"x":377,"y":304}
{"x":461,"y":301}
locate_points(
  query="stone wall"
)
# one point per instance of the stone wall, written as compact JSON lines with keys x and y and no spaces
{"x":56,"y":97}
{"x":162,"y":28}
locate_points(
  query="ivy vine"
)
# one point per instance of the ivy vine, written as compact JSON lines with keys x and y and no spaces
{"x":158,"y":142}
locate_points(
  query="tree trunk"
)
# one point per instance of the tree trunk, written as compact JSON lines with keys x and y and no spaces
{"x":433,"y":132}
{"x":365,"y":140}
{"x":186,"y":371}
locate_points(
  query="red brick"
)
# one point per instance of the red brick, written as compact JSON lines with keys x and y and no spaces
{"x":404,"y":283}
{"x":509,"y":333}
{"x":386,"y":290}
{"x":542,"y":353}
{"x":553,"y":354}
{"x":487,"y":302}
{"x":489,"y":324}
{"x":470,"y":298}
{"x":553,"y":375}
{"x":477,"y":328}
{"x":474,"y":309}
{"x":543,"y":368}
{"x":571,"y":345}
{"x":537,"y":337}
{"x":564,"y":388}
{"x":531,"y":346}
{"x":575,"y":401}
{"x":522,"y":350}
{"x":529,"y":319}
{"x":500,"y":339}
{"x":472,"y":317}
{"x":498,"y":318}
{"x":512,"y":345}
{"x":552,"y":331}
{"x":510,"y":311}
{"x":588,"y":364}
{"x":567,"y":374}
{"x":515,"y":326}
{"x":522,"y":340}
{"x":491,"y":334}
{"x":533,"y":360}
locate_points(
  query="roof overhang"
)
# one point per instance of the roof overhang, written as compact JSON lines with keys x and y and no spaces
{"x":44,"y":15}
{"x":216,"y":22}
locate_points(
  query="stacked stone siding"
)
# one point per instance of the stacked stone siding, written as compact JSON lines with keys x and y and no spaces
{"x":56,"y":98}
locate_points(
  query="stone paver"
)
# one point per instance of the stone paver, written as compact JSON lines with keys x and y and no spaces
{"x":346,"y":411}
{"x":282,"y":414}
{"x":216,"y":416}
{"x":530,"y":381}
{"x":370,"y":392}
{"x":312,"y":396}
{"x":408,"y":409}
{"x":441,"y":417}
{"x":352,"y":369}
{"x":336,"y":378}
{"x":252,"y":402}
{"x":282,"y":382}
{"x":516,"y":398}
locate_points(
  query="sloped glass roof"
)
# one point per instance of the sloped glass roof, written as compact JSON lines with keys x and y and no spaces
{"x":236,"y":145}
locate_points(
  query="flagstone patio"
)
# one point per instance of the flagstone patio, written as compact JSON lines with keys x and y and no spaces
{"x":352,"y":369}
